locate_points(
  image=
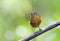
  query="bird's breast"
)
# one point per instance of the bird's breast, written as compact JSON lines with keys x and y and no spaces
{"x":35,"y":21}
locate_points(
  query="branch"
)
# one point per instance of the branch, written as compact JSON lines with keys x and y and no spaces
{"x":37,"y":33}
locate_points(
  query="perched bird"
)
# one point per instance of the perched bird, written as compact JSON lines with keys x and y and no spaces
{"x":35,"y":20}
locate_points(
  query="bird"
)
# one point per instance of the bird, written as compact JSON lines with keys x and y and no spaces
{"x":35,"y":20}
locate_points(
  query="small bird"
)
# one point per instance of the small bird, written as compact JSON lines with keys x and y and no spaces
{"x":35,"y":20}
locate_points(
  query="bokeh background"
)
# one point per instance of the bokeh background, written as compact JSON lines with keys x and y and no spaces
{"x":15,"y":15}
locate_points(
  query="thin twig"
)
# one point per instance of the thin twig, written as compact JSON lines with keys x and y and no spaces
{"x":37,"y":33}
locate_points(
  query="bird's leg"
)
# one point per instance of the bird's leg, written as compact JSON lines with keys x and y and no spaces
{"x":39,"y":29}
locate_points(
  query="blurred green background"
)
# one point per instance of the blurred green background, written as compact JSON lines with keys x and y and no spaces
{"x":15,"y":15}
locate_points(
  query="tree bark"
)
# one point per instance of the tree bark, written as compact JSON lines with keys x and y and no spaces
{"x":39,"y":32}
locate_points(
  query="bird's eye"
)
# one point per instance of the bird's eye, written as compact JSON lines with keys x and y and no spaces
{"x":34,"y":13}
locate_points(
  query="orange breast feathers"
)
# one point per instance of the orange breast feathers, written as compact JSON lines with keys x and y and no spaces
{"x":35,"y":20}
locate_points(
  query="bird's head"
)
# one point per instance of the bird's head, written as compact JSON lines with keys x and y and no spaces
{"x":34,"y":14}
